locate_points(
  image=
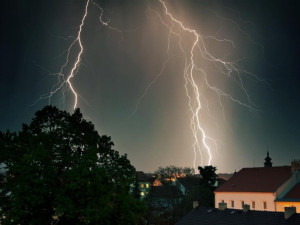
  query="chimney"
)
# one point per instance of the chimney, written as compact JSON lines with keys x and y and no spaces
{"x":289,"y":211}
{"x":246,"y":208}
{"x":195,"y":204}
{"x":295,"y":165}
{"x":222,"y":206}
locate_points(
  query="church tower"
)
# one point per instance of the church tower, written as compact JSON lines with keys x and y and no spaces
{"x":268,"y":159}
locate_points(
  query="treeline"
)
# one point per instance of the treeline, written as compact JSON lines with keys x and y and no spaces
{"x":180,"y":188}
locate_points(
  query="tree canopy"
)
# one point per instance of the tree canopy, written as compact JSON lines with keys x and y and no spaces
{"x":208,"y":173}
{"x":59,"y":170}
{"x":174,"y":171}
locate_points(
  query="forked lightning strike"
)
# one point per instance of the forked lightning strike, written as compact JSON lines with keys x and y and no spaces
{"x":196,"y":52}
{"x":201,"y":140}
{"x":64,"y":81}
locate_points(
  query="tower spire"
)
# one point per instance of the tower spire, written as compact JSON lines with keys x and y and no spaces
{"x":268,"y":159}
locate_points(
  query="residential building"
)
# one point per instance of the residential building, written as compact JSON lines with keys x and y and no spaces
{"x":289,"y":193}
{"x":292,"y":198}
{"x":144,"y":183}
{"x":262,"y":188}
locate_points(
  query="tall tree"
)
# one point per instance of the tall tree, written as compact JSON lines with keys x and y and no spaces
{"x":59,"y":170}
{"x":208,"y":173}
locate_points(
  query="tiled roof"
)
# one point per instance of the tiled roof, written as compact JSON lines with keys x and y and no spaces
{"x":294,"y":193}
{"x":292,"y":196}
{"x":208,"y":216}
{"x":259,"y":179}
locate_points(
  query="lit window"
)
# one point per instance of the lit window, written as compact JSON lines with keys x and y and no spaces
{"x":142,"y":185}
{"x":147,"y":185}
{"x":232,"y":204}
{"x":253,"y":204}
{"x":142,"y":193}
{"x":242,"y":203}
{"x":265,"y":205}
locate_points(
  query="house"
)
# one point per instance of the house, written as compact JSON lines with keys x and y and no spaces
{"x":225,"y":216}
{"x":144,"y":183}
{"x":292,"y":198}
{"x":156,"y":182}
{"x":289,"y":193}
{"x":147,"y":181}
{"x":263,"y":188}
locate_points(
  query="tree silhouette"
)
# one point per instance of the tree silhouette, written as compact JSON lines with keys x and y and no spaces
{"x":208,"y":173}
{"x":173,"y":171}
{"x":136,"y":188}
{"x":59,"y":170}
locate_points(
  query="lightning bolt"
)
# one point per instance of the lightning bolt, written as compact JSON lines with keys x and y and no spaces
{"x":194,"y":53}
{"x":191,"y":69}
{"x":64,"y":82}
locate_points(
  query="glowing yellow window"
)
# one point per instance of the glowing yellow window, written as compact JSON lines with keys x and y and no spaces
{"x":147,"y":185}
{"x":142,"y":193}
{"x":142,"y":185}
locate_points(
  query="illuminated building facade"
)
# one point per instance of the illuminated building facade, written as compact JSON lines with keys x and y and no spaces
{"x":262,"y":188}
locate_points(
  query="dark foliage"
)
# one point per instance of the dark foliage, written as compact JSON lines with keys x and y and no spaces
{"x":209,"y":176}
{"x":136,"y":188}
{"x":59,"y":170}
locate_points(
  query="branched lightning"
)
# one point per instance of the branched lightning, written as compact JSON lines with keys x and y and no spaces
{"x":198,"y":51}
{"x":64,"y":79}
{"x":193,"y":54}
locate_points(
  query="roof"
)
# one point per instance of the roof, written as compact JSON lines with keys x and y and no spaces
{"x":294,"y":192}
{"x":189,"y":182}
{"x":208,"y":216}
{"x":292,"y":196}
{"x":259,"y":179}
{"x":225,"y":176}
{"x":141,"y":176}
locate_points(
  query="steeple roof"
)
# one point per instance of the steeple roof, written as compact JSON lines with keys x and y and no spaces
{"x":268,"y":159}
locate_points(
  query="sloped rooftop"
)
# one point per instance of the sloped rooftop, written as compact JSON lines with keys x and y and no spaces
{"x":292,"y":196}
{"x":259,"y":179}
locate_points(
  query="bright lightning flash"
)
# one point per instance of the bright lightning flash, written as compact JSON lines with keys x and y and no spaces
{"x":191,"y":69}
{"x":64,"y":79}
{"x":195,"y":53}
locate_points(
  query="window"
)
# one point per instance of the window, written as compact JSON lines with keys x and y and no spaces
{"x":147,"y":185}
{"x":242,"y":203}
{"x":142,"y":194}
{"x":232,"y":204}
{"x":253,"y":204}
{"x":142,"y":185}
{"x":265,"y":205}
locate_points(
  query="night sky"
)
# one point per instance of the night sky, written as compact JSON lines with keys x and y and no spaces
{"x":116,"y":69}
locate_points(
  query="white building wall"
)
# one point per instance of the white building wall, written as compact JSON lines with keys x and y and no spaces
{"x":248,"y":198}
